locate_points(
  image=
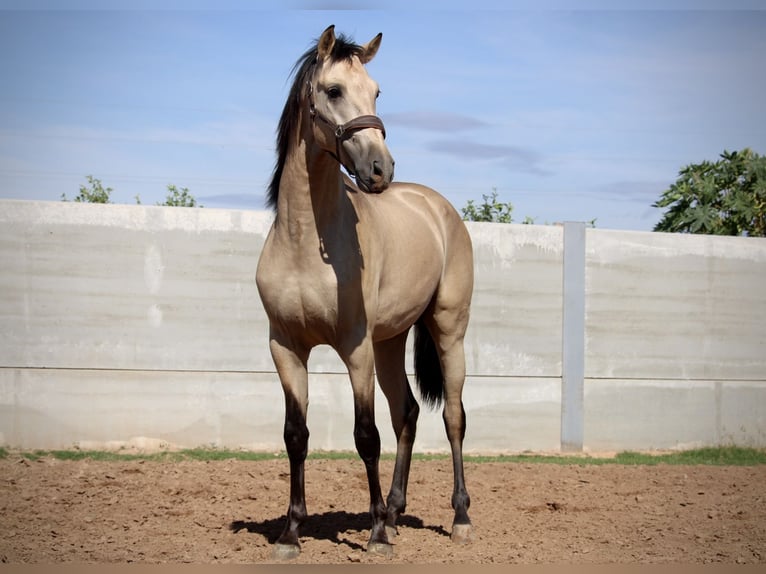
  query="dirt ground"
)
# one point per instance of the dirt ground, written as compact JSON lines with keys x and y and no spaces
{"x":54,"y":511}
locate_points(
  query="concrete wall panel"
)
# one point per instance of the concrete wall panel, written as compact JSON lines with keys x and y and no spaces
{"x":141,"y":325}
{"x":672,"y":306}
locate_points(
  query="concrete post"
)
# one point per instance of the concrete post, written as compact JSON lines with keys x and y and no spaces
{"x":573,"y":338}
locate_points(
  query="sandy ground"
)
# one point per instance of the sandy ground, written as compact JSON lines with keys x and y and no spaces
{"x":54,"y":511}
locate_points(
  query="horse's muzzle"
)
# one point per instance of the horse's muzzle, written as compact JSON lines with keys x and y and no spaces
{"x":377,"y":176}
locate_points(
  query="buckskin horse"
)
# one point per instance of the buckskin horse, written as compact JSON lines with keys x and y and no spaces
{"x":355,"y":262}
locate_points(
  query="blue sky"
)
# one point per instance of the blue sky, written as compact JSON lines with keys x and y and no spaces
{"x":568,"y":114}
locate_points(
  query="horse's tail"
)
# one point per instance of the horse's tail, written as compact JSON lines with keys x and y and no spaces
{"x":428,"y":370}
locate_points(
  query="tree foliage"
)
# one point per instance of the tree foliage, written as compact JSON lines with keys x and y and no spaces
{"x":490,"y":210}
{"x":726,"y":197}
{"x":179,"y":197}
{"x":94,"y":192}
{"x":496,"y":211}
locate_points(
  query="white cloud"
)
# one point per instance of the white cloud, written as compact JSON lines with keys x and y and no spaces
{"x":512,"y":157}
{"x":433,"y":121}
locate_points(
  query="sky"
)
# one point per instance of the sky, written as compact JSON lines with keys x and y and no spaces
{"x":568,"y":114}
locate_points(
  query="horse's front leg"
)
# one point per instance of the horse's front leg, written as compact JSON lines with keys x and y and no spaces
{"x":291,"y":366}
{"x":367,"y":441}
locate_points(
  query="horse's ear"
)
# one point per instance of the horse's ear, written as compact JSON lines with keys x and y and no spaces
{"x":370,"y":49}
{"x":326,"y":43}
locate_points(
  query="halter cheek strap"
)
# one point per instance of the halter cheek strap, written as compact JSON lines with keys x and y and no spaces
{"x":344,"y":131}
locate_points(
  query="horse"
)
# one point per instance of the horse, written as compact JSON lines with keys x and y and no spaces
{"x":354,"y":261}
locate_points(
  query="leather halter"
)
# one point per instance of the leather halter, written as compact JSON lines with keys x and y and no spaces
{"x":343,"y":131}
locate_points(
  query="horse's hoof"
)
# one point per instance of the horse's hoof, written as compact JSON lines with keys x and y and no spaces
{"x":283,"y":552}
{"x":391,"y":532}
{"x":380,"y":549}
{"x":462,"y":534}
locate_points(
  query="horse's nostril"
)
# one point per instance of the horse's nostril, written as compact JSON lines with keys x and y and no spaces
{"x":376,"y":169}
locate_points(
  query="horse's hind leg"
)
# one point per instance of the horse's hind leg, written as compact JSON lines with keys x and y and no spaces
{"x":293,"y":375}
{"x":453,"y":361}
{"x":447,"y":326}
{"x":389,"y":365}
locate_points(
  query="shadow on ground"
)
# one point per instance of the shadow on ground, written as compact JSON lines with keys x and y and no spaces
{"x":328,"y":526}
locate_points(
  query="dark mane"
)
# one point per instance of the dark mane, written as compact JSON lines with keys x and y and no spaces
{"x":344,"y":49}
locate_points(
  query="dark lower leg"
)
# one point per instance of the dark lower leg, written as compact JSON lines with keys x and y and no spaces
{"x":454,"y":420}
{"x":367,"y":440}
{"x":296,"y":436}
{"x":397,"y":496}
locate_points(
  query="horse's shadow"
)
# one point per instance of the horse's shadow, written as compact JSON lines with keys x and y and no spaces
{"x":327,"y":526}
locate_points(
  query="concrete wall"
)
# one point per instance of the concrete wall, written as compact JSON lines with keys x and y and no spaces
{"x":141,"y":325}
{"x":676,"y":340}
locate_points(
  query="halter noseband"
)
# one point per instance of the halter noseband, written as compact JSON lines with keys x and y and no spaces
{"x":343,"y":131}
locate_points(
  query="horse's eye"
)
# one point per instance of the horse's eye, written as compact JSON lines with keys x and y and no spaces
{"x":333,"y":92}
{"x":377,"y":95}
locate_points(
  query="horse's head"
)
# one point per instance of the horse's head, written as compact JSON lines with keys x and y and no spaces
{"x":341,"y":99}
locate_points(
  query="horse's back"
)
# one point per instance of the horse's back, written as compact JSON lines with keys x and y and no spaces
{"x":407,"y":206}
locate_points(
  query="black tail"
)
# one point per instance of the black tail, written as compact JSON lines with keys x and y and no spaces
{"x":428,"y":369}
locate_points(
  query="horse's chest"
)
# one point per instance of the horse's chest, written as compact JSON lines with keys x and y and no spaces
{"x":295,"y":296}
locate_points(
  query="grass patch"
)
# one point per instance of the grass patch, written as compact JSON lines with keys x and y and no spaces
{"x":542,"y":459}
{"x":201,"y":454}
{"x":717,"y":456}
{"x":205,"y":454}
{"x":76,"y":454}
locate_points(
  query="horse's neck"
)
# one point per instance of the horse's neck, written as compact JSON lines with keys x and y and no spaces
{"x":310,"y":192}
